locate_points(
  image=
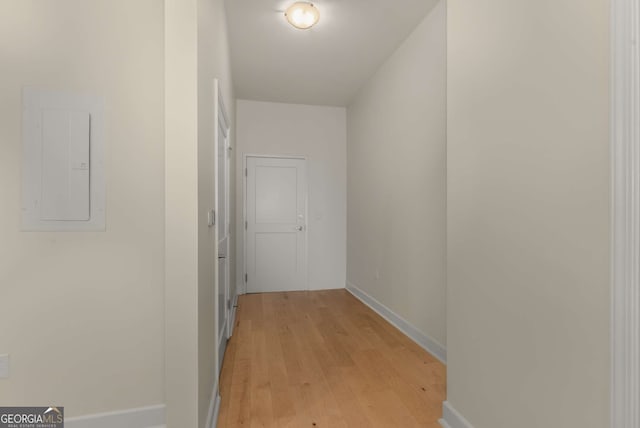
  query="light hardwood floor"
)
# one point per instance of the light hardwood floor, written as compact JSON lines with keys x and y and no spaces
{"x":324,"y":359}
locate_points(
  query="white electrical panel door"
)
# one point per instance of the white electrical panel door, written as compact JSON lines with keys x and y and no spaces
{"x":63,"y":166}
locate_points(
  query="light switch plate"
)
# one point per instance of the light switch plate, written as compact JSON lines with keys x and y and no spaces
{"x":4,"y":366}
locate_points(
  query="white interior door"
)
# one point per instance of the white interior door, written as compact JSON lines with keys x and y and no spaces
{"x":222,"y":155}
{"x":276,"y":232}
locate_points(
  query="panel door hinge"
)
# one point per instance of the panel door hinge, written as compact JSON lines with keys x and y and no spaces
{"x":246,"y":225}
{"x":246,"y":278}
{"x":229,"y":304}
{"x":246,"y":172}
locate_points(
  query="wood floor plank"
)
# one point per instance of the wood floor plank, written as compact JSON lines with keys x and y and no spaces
{"x":323,"y":359}
{"x":236,"y":412}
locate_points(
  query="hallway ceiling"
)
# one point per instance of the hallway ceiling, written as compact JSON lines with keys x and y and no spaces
{"x":325,"y":65}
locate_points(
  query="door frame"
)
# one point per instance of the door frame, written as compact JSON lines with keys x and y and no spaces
{"x":245,"y":156}
{"x":625,"y":213}
{"x":220,"y":118}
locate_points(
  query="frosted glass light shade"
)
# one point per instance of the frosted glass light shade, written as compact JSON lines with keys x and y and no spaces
{"x":302,"y":15}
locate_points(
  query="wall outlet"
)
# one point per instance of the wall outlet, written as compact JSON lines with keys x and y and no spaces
{"x":4,"y":366}
{"x":377,"y":274}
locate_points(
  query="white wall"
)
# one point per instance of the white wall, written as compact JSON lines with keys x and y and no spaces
{"x":181,"y":212}
{"x":528,"y":203}
{"x":81,"y":313}
{"x":213,"y":62}
{"x":397,"y":180}
{"x":196,"y":53}
{"x":319,"y":133}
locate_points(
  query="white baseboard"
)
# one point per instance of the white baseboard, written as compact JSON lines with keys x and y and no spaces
{"x":429,"y":344}
{"x":444,"y":423}
{"x":214,"y":408}
{"x":451,"y":418}
{"x":232,"y":318}
{"x":328,"y":288}
{"x":143,"y":417}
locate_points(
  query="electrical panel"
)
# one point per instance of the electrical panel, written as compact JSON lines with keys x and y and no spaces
{"x":63,"y":164}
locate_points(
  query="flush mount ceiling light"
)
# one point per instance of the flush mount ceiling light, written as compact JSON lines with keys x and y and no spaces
{"x":302,"y":15}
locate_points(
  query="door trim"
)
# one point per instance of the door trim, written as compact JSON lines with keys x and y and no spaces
{"x":245,"y":156}
{"x":220,"y":119}
{"x":625,"y":214}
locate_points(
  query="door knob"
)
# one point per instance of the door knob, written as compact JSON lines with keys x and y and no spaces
{"x":300,"y":228}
